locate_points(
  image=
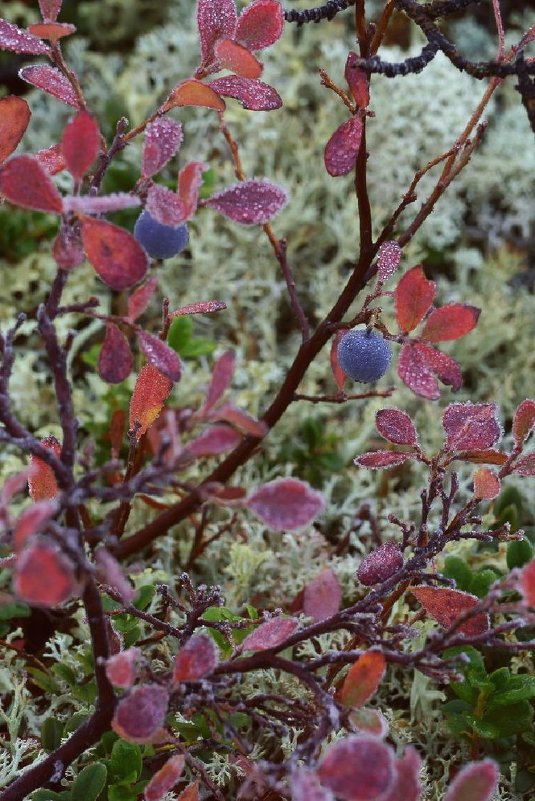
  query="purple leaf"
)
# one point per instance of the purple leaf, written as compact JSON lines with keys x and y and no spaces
{"x":260,"y":24}
{"x":342,"y":148}
{"x":407,"y":786}
{"x":50,"y":9}
{"x":357,"y":80}
{"x":141,"y":297}
{"x":445,"y":368}
{"x":80,"y":144}
{"x":165,"y":206}
{"x":249,"y":202}
{"x":471,"y":426}
{"x":19,"y":41}
{"x":286,"y":504}
{"x":216,"y":19}
{"x":189,"y":185}
{"x":196,"y":659}
{"x":305,"y":786}
{"x":254,"y":95}
{"x":213,"y":441}
{"x":524,"y":421}
{"x":68,"y":250}
{"x":396,"y":426}
{"x":115,"y":359}
{"x":476,"y":781}
{"x":140,"y":715}
{"x":388,"y":260}
{"x":86,"y":204}
{"x":237,"y":417}
{"x":414,"y":372}
{"x":525,"y":466}
{"x":110,"y":572}
{"x":380,"y":564}
{"x":160,"y":355}
{"x":163,"y":137}
{"x":220,"y":380}
{"x":50,"y":80}
{"x":323,"y":596}
{"x":270,"y":634}
{"x":358,"y":768}
{"x":202,"y":307}
{"x":381,"y":459}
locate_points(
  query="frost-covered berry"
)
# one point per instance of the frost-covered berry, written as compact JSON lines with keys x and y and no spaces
{"x":364,"y":355}
{"x":160,"y":241}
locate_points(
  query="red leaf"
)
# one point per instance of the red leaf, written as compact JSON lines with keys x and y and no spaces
{"x":323,"y":596}
{"x":53,"y":31}
{"x":363,"y":679}
{"x":525,"y":466}
{"x":487,"y":485}
{"x":213,"y":441}
{"x":253,"y":95}
{"x":115,"y":359}
{"x":338,"y":373}
{"x":150,"y":393}
{"x":43,"y":575}
{"x":189,"y":184}
{"x":52,"y":81}
{"x":415,"y":373}
{"x":445,"y":368}
{"x":68,"y":250}
{"x":117,"y":257}
{"x":42,"y":483}
{"x":450,"y":322}
{"x":413,"y":296}
{"x":193,"y":93}
{"x":232,"y":56}
{"x":357,"y":80}
{"x":160,"y":355}
{"x":141,"y":297}
{"x":380,"y":459}
{"x":104,"y":204}
{"x":260,"y":24}
{"x":80,"y":144}
{"x":305,"y":786}
{"x":220,"y":381}
{"x":163,"y":137}
{"x":20,"y":41}
{"x":32,"y":521}
{"x":216,"y":19}
{"x":342,"y":149}
{"x":50,"y":9}
{"x":51,"y":159}
{"x":203,"y":307}
{"x":407,"y":786}
{"x":24,"y":183}
{"x":165,"y":206}
{"x":471,"y":426}
{"x":396,"y":426}
{"x":14,"y":119}
{"x":286,"y":504}
{"x":140,"y":715}
{"x":358,"y":768}
{"x":368,"y":721}
{"x":524,"y":421}
{"x":380,"y":564}
{"x":121,"y":669}
{"x":12,"y":485}
{"x":388,"y":260}
{"x":270,"y":634}
{"x":110,"y":572}
{"x":164,"y":779}
{"x":249,"y":202}
{"x":476,"y":781}
{"x":446,"y":606}
{"x":527,"y":583}
{"x":243,"y":421}
{"x":196,"y":659}
{"x":191,"y":793}
{"x":483,"y":457}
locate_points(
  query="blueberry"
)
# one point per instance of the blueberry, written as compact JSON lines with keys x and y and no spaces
{"x":160,"y":241}
{"x":364,"y":355}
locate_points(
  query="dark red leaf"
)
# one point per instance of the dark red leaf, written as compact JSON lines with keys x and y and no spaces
{"x":50,"y":9}
{"x":67,"y":249}
{"x":19,"y":41}
{"x":260,"y":24}
{"x":193,"y":93}
{"x":196,"y":659}
{"x":51,"y":159}
{"x":342,"y":149}
{"x":471,"y":426}
{"x":163,"y":137}
{"x":164,"y":779}
{"x":445,"y":368}
{"x":286,"y":504}
{"x":80,"y":144}
{"x":413,"y":296}
{"x":450,"y":322}
{"x":32,"y":521}
{"x":305,"y":786}
{"x":150,"y":393}
{"x":270,"y":634}
{"x":487,"y":485}
{"x":338,"y":373}
{"x":216,"y":19}
{"x":446,"y":606}
{"x":215,"y":440}
{"x":388,"y":260}
{"x":202,"y":307}
{"x":407,"y":786}
{"x":525,"y":466}
{"x":117,"y":257}
{"x":358,"y":768}
{"x":141,"y":297}
{"x":14,"y":119}
{"x":140,"y":715}
{"x":115,"y":359}
{"x":323,"y":596}
{"x":165,"y":206}
{"x":490,"y":456}
{"x":44,"y":576}
{"x":189,"y":184}
{"x":527,"y":583}
{"x":110,"y":572}
{"x":249,"y":202}
{"x":253,"y":95}
{"x":396,"y":426}
{"x":381,"y":459}
{"x":160,"y":355}
{"x":524,"y":421}
{"x":42,"y":483}
{"x":357,"y":80}
{"x":190,"y":793}
{"x":380,"y":564}
{"x":53,"y":31}
{"x":220,"y":381}
{"x":24,"y":183}
{"x":419,"y":362}
{"x":52,"y":81}
{"x":232,"y":56}
{"x":243,"y":421}
{"x":121,"y":669}
{"x":476,"y":781}
{"x":363,"y":679}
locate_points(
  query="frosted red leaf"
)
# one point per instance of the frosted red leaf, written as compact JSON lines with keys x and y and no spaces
{"x":380,"y":564}
{"x":165,"y":206}
{"x":388,"y":260}
{"x":160,"y":355}
{"x":111,"y":572}
{"x":523,"y":421}
{"x":525,"y":465}
{"x":374,"y":460}
{"x":253,"y":95}
{"x":52,"y":81}
{"x":407,"y":786}
{"x":249,"y":202}
{"x":189,"y":184}
{"x":260,"y":24}
{"x":193,"y":93}
{"x":140,"y":715}
{"x":14,"y":118}
{"x":141,"y":297}
{"x":286,"y":504}
{"x":18,"y":40}
{"x":471,"y":426}
{"x":215,"y":19}
{"x":358,"y":768}
{"x":414,"y":372}
{"x":342,"y":149}
{"x":118,"y":258}
{"x":270,"y":634}
{"x":215,"y":440}
{"x":80,"y":144}
{"x":51,"y":159}
{"x":190,"y":793}
{"x":322,"y":596}
{"x":53,"y":31}
{"x":396,"y":426}
{"x":222,"y":373}
{"x":163,"y":137}
{"x":527,"y":583}
{"x":357,"y":80}
{"x":338,"y":373}
{"x":489,"y":456}
{"x":42,"y":483}
{"x":103,"y":204}
{"x":305,"y":786}
{"x":450,"y":322}
{"x":241,"y":419}
{"x":446,"y":606}
{"x":24,"y":183}
{"x":50,"y":9}
{"x":121,"y":668}
{"x":413,"y":297}
{"x":32,"y":521}
{"x":236,"y":58}
{"x":363,"y":679}
{"x":202,"y":307}
{"x":368,"y":721}
{"x":196,"y":659}
{"x":476,"y":781}
{"x":67,"y":249}
{"x":443,"y":366}
{"x":150,"y":393}
{"x":44,"y":576}
{"x":164,"y":779}
{"x":487,"y":485}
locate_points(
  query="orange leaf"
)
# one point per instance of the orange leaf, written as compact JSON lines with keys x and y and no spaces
{"x":236,"y":58}
{"x":363,"y":679}
{"x":193,"y":93}
{"x":487,"y":485}
{"x":42,"y":483}
{"x":14,"y":118}
{"x":150,"y":393}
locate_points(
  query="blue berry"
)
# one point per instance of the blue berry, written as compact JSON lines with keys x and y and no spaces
{"x":160,"y":241}
{"x":364,"y":355}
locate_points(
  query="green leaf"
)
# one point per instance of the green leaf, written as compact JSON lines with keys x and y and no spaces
{"x":509,"y":496}
{"x":51,"y":733}
{"x":13,"y":609}
{"x":50,"y":795}
{"x":481,"y":582}
{"x":132,"y":635}
{"x":43,"y":680}
{"x":90,"y":782}
{"x":518,"y":688}
{"x":500,"y":678}
{"x":64,"y":672}
{"x":483,"y":728}
{"x":85,"y":692}
{"x":511,"y":719}
{"x":180,"y":333}
{"x":198,"y":347}
{"x":144,"y":596}
{"x":125,"y":761}
{"x":456,"y":568}
{"x":74,"y":722}
{"x":519,"y":553}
